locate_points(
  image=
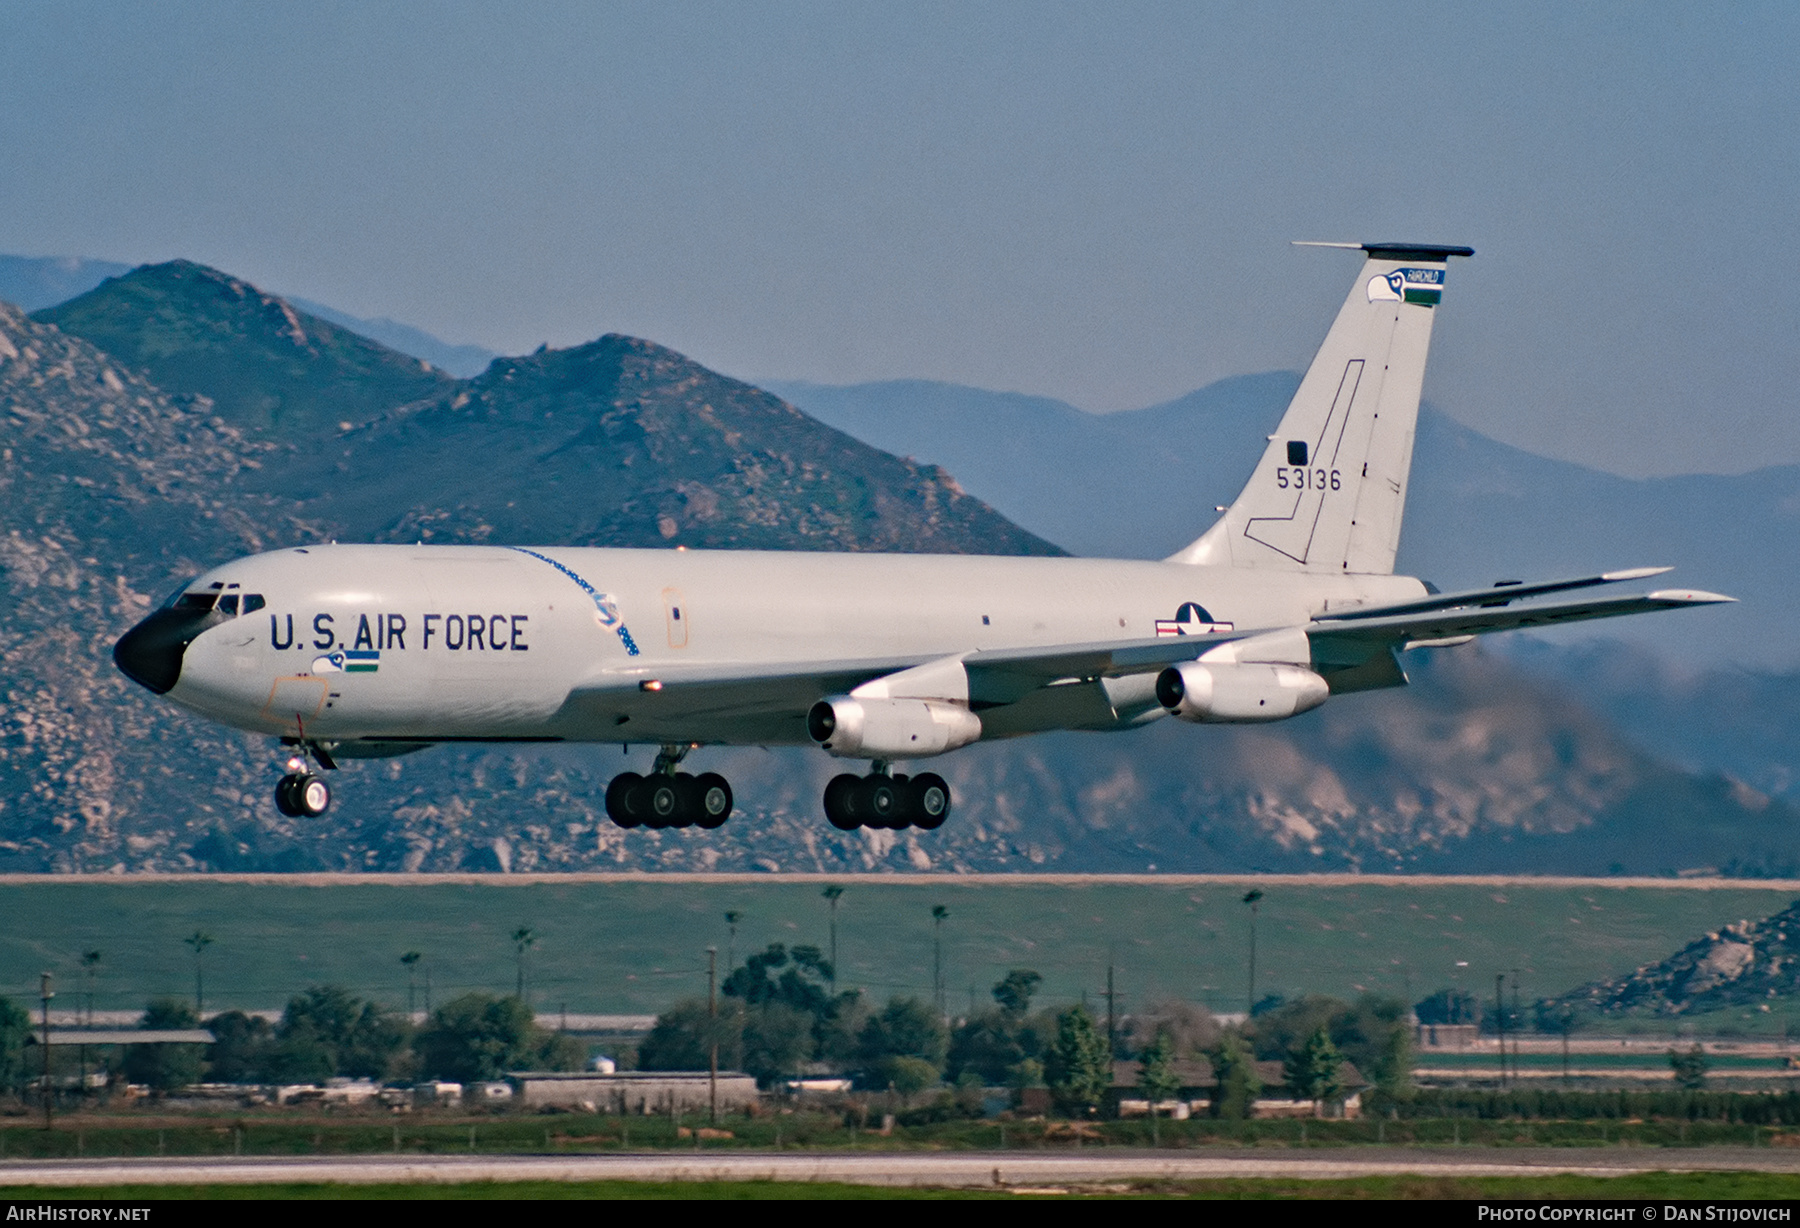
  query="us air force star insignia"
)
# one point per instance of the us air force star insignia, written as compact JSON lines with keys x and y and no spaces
{"x":1190,"y":619}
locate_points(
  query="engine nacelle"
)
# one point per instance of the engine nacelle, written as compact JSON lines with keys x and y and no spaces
{"x":1238,"y":693}
{"x":852,"y":728}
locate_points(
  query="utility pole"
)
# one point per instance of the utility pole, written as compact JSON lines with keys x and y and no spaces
{"x":1252,"y":898}
{"x":1518,"y":1027}
{"x":938,"y":913}
{"x":832,"y":894}
{"x":712,"y":1014}
{"x":46,"y":993}
{"x":199,"y":941}
{"x":1500,"y":1020}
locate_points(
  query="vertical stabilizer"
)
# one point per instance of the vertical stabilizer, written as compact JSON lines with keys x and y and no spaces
{"x":1330,"y":489}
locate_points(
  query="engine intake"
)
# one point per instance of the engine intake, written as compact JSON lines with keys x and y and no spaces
{"x":1238,"y":693}
{"x":851,"y":728}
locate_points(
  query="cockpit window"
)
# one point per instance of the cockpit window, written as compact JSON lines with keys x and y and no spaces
{"x":253,"y":602}
{"x":197,"y":602}
{"x":228,"y":605}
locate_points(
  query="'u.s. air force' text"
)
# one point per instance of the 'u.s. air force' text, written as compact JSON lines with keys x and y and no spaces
{"x":431,"y":632}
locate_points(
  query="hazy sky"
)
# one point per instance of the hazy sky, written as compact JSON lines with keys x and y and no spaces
{"x":1088,"y":201}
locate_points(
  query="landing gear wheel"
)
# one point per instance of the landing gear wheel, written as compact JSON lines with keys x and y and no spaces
{"x":618,"y":800}
{"x":713,"y":795}
{"x":883,"y":798}
{"x":307,"y":797}
{"x":284,"y":797}
{"x":840,"y":802}
{"x":659,"y":801}
{"x":930,"y":800}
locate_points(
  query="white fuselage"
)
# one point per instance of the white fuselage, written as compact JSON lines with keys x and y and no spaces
{"x":433,"y":643}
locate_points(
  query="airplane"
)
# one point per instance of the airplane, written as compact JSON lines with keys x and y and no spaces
{"x":1288,"y":599}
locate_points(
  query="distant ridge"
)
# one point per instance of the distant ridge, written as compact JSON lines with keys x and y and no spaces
{"x":34,"y":282}
{"x":266,"y":365}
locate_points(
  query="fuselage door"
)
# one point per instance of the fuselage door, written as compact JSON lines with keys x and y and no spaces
{"x":676,"y":611}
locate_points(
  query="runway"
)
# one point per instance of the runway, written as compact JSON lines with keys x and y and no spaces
{"x":993,"y":1170}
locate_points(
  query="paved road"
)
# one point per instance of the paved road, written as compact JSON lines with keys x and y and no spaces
{"x":1002,"y":1168}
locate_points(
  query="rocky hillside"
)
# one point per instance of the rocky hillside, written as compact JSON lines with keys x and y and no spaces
{"x":624,"y":443}
{"x":1745,"y":964}
{"x":268,"y":367}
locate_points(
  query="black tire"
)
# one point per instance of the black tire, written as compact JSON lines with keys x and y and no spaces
{"x":312,"y":796}
{"x":930,"y":800}
{"x":284,"y":797}
{"x":883,"y":802}
{"x":618,"y":800}
{"x":840,"y":802}
{"x":714,"y":793}
{"x":658,"y":799}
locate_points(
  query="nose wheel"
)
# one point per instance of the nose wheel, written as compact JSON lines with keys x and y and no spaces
{"x":879,"y":800}
{"x":301,"y":794}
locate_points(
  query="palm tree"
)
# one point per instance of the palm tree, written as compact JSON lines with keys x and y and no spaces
{"x":938,"y":913}
{"x":832,"y":895}
{"x":731,"y":923}
{"x":90,"y":960}
{"x":199,"y":940}
{"x":524,"y":938}
{"x":410,"y":959}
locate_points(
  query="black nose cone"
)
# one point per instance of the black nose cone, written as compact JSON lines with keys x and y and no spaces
{"x":150,"y":653}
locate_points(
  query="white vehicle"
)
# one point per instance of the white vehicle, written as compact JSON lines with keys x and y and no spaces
{"x":1288,"y":599}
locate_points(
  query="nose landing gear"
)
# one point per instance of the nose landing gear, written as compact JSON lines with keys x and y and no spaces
{"x":668,"y":798}
{"x":882,"y":801}
{"x":301,"y":794}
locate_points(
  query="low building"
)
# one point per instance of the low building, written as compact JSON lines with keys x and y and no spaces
{"x":634,"y":1091}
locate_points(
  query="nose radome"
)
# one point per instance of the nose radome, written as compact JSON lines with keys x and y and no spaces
{"x":150,"y":653}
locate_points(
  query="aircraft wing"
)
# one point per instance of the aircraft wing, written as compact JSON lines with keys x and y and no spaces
{"x":1353,"y":649}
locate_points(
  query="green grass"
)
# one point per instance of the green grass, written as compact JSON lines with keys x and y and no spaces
{"x":281,"y":1133}
{"x":1678,"y":1186}
{"x":634,"y":946}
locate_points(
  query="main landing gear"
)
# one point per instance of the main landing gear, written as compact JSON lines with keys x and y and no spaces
{"x":881,"y":800}
{"x":301,"y":794}
{"x":667,"y":798}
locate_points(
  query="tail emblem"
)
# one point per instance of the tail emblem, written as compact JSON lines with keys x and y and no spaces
{"x":1422,"y":286}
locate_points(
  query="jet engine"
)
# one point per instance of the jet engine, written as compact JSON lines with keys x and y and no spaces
{"x":852,"y":728}
{"x":1238,"y":693}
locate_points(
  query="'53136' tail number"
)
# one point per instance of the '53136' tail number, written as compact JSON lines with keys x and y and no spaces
{"x":1308,"y":479}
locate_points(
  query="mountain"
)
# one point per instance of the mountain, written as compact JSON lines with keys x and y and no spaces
{"x":267,"y":367}
{"x":31,"y":282}
{"x":1740,"y":722}
{"x":108,"y":485}
{"x":1143,"y":483}
{"x":622,"y":442}
{"x":1744,"y":964}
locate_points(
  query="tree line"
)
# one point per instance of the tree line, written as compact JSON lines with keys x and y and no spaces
{"x":778,"y":1018}
{"x":326,"y":1032}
